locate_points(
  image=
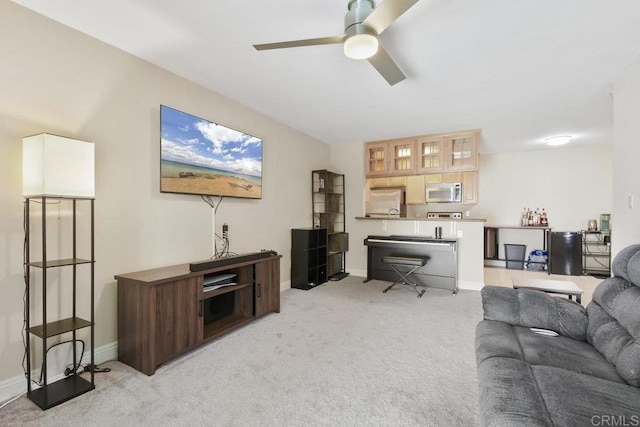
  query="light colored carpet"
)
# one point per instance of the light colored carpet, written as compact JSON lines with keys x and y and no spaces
{"x":342,"y":354}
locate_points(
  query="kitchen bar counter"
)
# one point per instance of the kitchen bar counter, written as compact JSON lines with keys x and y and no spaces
{"x":419,"y":218}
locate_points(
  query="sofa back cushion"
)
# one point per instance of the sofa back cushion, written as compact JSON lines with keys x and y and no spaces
{"x":614,"y":316}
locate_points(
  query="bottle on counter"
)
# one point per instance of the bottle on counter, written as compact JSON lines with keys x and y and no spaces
{"x":524,"y":217}
{"x":530,"y":219}
{"x":544,"y":221}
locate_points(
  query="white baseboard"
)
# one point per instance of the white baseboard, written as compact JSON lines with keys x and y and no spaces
{"x":470,"y":286}
{"x":18,"y":385}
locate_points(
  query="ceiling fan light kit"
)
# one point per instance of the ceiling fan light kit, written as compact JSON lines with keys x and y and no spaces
{"x":554,"y":141}
{"x":362,"y":25}
{"x":361,"y":45}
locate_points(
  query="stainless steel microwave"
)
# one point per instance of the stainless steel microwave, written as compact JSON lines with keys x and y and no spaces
{"x":448,"y":192}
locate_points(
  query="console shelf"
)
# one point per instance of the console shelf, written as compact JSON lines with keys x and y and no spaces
{"x":165,"y":312}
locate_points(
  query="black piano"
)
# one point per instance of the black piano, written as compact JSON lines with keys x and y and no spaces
{"x":440,"y":271}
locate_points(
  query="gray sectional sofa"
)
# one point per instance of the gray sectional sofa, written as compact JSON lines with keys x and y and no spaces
{"x":588,"y":375}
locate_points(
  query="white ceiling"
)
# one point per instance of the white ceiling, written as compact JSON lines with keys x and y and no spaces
{"x":520,"y":70}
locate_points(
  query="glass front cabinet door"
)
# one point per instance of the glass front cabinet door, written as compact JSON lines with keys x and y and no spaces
{"x":376,"y":159}
{"x":430,"y":154}
{"x":461,"y":152}
{"x":403,"y":156}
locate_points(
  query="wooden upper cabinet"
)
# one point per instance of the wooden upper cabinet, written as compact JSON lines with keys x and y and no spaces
{"x":461,"y":151}
{"x":470,"y":187}
{"x":403,"y":156}
{"x":429,"y":154}
{"x":415,"y":190}
{"x":376,"y":159}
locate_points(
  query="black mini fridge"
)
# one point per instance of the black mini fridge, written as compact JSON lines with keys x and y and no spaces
{"x":565,"y":253}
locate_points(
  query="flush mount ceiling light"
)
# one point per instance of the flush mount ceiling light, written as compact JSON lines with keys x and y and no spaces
{"x":554,"y":141}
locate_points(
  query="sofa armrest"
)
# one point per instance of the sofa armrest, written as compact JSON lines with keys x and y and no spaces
{"x":534,"y":309}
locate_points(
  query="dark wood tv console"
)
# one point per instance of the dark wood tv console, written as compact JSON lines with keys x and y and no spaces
{"x":165,"y":312}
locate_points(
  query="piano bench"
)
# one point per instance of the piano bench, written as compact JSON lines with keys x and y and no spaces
{"x":412,"y":263}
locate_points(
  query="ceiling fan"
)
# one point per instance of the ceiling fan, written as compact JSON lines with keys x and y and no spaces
{"x":363,"y":23}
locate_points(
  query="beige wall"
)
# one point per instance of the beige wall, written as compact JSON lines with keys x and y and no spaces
{"x":626,"y":158}
{"x":54,"y":79}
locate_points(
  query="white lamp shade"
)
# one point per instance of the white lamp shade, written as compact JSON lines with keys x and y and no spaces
{"x":57,"y":166}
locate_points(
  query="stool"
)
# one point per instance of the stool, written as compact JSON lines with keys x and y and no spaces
{"x":412,"y":263}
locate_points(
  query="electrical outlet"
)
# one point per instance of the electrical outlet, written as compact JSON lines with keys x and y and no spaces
{"x":630,"y":201}
{"x":225,"y":230}
{"x":459,"y":233}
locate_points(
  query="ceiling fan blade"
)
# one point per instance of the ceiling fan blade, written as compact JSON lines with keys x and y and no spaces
{"x":300,"y":43}
{"x":387,"y":12}
{"x":386,"y":67}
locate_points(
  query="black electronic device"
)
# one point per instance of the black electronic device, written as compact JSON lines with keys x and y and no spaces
{"x":233,"y":259}
{"x":225,"y":162}
{"x":216,"y":281}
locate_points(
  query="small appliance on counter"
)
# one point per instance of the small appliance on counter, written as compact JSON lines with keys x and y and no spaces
{"x":592,"y":225}
{"x":444,"y":215}
{"x":386,"y":202}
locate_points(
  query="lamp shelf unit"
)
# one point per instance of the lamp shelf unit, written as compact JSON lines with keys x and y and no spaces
{"x":60,"y":263}
{"x":50,"y":394}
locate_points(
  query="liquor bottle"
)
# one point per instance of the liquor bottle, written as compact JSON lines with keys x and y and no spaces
{"x":530,"y":218}
{"x":524,"y":217}
{"x":544,"y":220}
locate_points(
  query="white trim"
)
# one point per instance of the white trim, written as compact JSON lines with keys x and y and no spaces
{"x":470,"y":286}
{"x":16,"y":386}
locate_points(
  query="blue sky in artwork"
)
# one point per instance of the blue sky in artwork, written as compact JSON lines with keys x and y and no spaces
{"x":195,"y":141}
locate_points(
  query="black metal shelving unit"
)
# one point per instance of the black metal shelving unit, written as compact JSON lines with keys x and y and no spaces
{"x":57,"y":392}
{"x":328,"y":199}
{"x":596,"y":253}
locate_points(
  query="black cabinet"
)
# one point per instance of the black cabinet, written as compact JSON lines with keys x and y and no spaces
{"x":308,"y":257}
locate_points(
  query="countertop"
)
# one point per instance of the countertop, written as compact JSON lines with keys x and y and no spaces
{"x":421,"y":218}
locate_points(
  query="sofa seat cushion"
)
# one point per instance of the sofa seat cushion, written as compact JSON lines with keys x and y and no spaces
{"x":514,"y":393}
{"x":509,"y":394}
{"x":574,"y":399}
{"x":498,"y":339}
